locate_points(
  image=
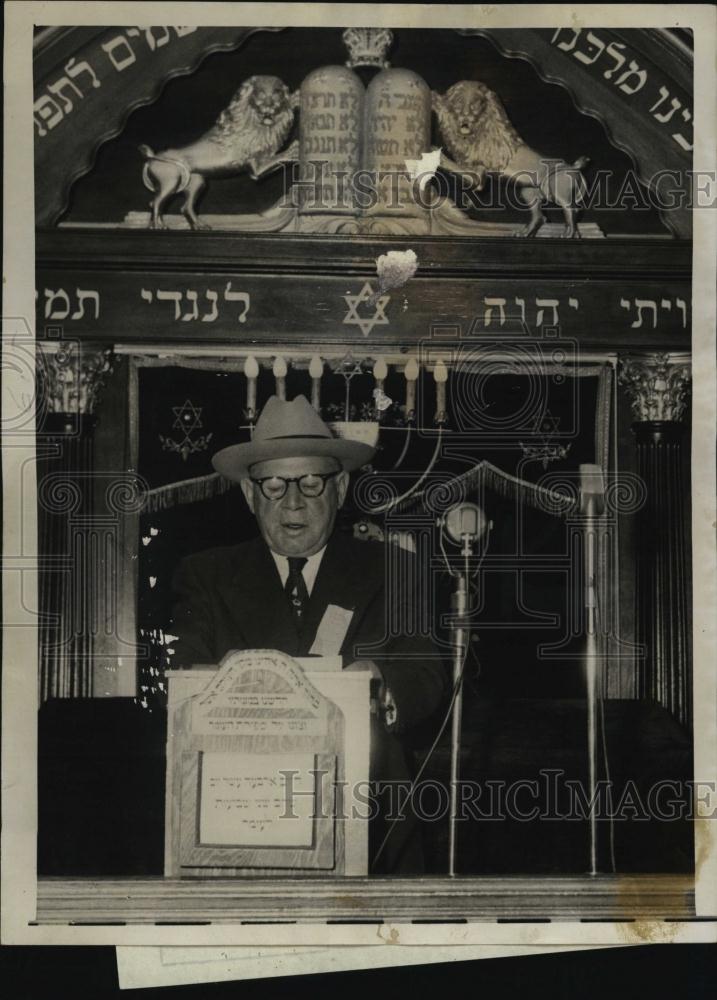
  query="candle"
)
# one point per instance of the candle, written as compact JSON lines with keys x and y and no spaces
{"x":411,"y":376}
{"x":380,"y":371}
{"x":279,"y":371}
{"x":440,"y":374}
{"x":251,"y":371}
{"x":316,"y":370}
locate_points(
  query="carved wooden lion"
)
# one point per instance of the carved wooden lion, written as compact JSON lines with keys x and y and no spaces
{"x":247,"y":135}
{"x":478,"y":134}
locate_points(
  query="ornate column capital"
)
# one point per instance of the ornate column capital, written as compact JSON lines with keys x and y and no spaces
{"x":657,"y":385}
{"x":74,"y":376}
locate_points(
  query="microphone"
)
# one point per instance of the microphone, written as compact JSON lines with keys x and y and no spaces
{"x":592,"y":489}
{"x":465,"y":521}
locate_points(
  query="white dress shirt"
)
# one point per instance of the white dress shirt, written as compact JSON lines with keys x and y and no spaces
{"x":309,"y":572}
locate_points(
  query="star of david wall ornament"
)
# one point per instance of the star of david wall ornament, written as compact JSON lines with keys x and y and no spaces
{"x":366,"y":297}
{"x":546,"y":430}
{"x":187,"y":419}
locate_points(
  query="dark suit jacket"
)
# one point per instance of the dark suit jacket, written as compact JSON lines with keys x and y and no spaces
{"x":232,"y":598}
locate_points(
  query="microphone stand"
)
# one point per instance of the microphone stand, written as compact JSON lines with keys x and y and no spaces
{"x":460,"y":637}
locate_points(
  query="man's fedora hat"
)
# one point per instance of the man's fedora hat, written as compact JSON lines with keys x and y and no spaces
{"x":289,"y":430}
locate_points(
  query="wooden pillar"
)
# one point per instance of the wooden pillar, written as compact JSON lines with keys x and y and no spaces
{"x":118,"y":497}
{"x":658,"y":385}
{"x":72,"y":378}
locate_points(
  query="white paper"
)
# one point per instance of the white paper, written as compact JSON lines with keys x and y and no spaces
{"x":143,"y":967}
{"x":331,"y":631}
{"x":323,"y":664}
{"x":244,"y":802}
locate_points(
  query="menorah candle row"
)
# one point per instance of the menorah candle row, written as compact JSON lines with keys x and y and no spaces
{"x":348,"y":368}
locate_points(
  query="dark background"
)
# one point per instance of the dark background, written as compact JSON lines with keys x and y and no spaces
{"x":680,"y":972}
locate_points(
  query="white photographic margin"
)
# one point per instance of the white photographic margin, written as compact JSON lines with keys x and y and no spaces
{"x":142,"y":967}
{"x":19,"y":734}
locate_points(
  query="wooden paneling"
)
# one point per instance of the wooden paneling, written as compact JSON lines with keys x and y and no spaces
{"x":140,"y":250}
{"x":223,"y":288}
{"x":228,"y":901}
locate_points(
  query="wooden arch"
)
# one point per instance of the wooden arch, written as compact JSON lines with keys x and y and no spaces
{"x":88,"y":80}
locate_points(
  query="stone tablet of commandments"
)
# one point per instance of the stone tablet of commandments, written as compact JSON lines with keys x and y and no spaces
{"x":397,"y":128}
{"x":329,"y":140}
{"x":354,"y":142}
{"x":255,"y":769}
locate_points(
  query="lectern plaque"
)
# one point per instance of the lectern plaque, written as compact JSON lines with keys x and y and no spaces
{"x":255,"y":768}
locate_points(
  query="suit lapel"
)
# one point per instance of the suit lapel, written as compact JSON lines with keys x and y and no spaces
{"x":340,"y":581}
{"x":256,"y":601}
{"x":257,"y":608}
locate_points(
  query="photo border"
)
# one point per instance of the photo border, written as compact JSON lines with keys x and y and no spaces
{"x":19,"y":738}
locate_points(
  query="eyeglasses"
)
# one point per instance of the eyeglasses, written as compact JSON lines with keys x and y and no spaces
{"x":312,"y":484}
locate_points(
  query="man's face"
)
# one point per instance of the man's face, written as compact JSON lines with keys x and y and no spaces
{"x":296,"y":525}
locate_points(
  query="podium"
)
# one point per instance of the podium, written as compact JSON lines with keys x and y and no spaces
{"x":265,"y":755}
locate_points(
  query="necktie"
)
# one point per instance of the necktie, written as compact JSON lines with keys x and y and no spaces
{"x":295,"y":588}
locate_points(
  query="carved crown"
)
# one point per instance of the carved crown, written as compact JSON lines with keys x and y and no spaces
{"x":368,"y":46}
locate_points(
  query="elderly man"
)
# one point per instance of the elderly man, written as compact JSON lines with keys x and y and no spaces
{"x":273,"y":592}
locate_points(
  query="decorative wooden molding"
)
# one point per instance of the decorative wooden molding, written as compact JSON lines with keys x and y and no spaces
{"x":231,"y":901}
{"x":306,"y":254}
{"x":224,"y":288}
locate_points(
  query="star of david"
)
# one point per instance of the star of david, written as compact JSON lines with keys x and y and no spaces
{"x":548,"y":427}
{"x":545,"y":429}
{"x":365,"y":324}
{"x":187,"y":416}
{"x":348,"y":366}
